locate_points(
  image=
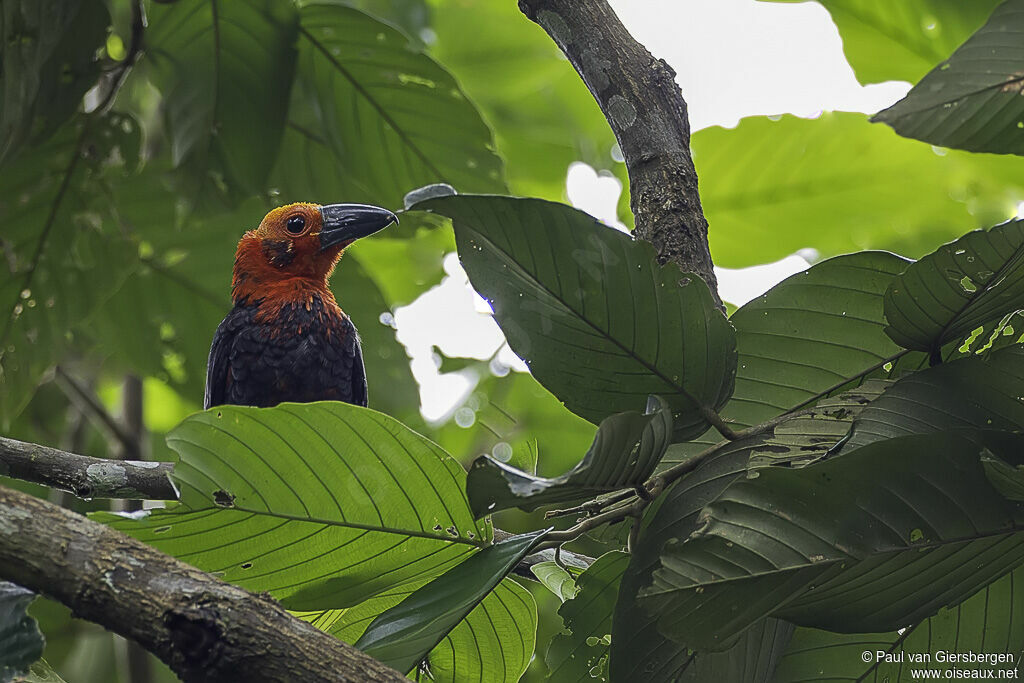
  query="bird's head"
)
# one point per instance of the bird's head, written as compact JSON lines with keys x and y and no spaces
{"x":300,"y":243}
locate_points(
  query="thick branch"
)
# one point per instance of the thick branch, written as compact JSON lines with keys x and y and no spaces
{"x":84,"y":476}
{"x":203,"y":628}
{"x":642,"y":103}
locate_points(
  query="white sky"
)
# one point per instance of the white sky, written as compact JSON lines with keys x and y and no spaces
{"x":734,"y":58}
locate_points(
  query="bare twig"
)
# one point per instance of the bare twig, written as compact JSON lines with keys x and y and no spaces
{"x":203,"y":628}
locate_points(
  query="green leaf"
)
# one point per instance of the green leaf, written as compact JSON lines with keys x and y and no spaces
{"x":808,"y":337}
{"x":403,"y":635}
{"x":494,"y":644}
{"x":543,"y":116}
{"x":827,"y":546}
{"x":599,"y":323}
{"x":887,"y":41}
{"x":972,"y":100}
{"x":21,"y":643}
{"x":798,"y":319}
{"x":373,"y":117}
{"x":216,"y":64}
{"x":990,"y":621}
{"x":639,"y":650}
{"x":47,"y":62}
{"x":979,"y":392}
{"x":320,"y":504}
{"x":1005,"y":478}
{"x":626,"y":449}
{"x":963,"y":285}
{"x":836,"y":184}
{"x":555,"y":579}
{"x":808,"y":438}
{"x":61,"y":260}
{"x":580,"y":652}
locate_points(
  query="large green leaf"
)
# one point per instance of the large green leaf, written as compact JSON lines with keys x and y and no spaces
{"x":580,"y":651}
{"x":60,"y":261}
{"x":980,"y":392}
{"x":403,"y":635}
{"x":21,"y":643}
{"x":543,"y":116}
{"x":963,"y":285}
{"x":901,"y":41}
{"x":776,"y":335}
{"x":225,"y":70}
{"x":372,"y":117}
{"x":836,"y":184}
{"x":972,"y":100}
{"x":598,"y":322}
{"x":808,"y":337}
{"x":321,"y":504}
{"x":493,"y":644}
{"x":828,"y":546}
{"x":626,"y":449}
{"x":989,"y":622}
{"x":48,"y":61}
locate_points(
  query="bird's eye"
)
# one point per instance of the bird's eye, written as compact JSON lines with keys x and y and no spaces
{"x":295,"y":225}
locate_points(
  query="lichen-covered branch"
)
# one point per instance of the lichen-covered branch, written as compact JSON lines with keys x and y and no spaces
{"x":84,"y":476}
{"x":642,"y":103}
{"x":203,"y":628}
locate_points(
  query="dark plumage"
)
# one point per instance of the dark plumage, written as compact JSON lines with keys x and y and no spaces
{"x":298,"y":356}
{"x":286,"y":339}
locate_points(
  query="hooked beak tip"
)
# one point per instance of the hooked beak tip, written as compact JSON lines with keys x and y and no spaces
{"x":345,"y":223}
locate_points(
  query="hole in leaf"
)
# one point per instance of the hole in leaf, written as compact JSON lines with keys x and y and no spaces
{"x":223,"y":499}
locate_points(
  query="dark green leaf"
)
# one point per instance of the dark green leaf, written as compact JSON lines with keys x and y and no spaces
{"x":828,"y":546}
{"x":1006,"y":478}
{"x":580,"y":652}
{"x":373,"y":117}
{"x":225,"y":71}
{"x":21,"y":643}
{"x":402,"y":636}
{"x":901,"y":41}
{"x":980,"y":392}
{"x":973,"y":99}
{"x":990,"y":621}
{"x":963,"y":285}
{"x":836,"y":184}
{"x":48,"y":61}
{"x":626,"y":449}
{"x":808,"y":337}
{"x":346,"y":502}
{"x":810,"y":437}
{"x":600,"y":324}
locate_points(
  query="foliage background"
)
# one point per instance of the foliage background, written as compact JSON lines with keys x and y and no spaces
{"x":120,"y":208}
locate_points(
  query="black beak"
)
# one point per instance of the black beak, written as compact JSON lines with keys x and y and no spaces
{"x":343,"y":223}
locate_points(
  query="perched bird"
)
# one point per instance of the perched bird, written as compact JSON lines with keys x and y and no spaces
{"x":286,"y":339}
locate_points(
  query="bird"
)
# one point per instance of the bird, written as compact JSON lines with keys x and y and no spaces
{"x":286,"y":338}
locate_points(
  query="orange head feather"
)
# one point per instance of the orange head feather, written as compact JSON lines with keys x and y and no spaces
{"x":293,"y":252}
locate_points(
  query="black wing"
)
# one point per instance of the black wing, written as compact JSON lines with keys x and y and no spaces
{"x":218,"y":366}
{"x":360,"y":393}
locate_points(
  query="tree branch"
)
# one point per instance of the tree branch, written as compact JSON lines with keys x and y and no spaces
{"x":645,"y":109}
{"x":84,"y":476}
{"x":203,"y":628}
